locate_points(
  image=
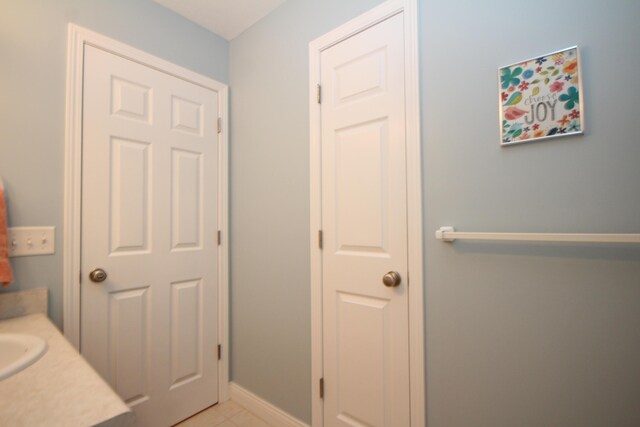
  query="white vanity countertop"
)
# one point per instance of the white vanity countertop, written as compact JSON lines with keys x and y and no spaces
{"x":60,"y":389}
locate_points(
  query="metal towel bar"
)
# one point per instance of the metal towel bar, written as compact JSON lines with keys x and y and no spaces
{"x":448,"y":234}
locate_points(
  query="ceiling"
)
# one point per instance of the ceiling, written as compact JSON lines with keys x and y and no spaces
{"x":227,"y":18}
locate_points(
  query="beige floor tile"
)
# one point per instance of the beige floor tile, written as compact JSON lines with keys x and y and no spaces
{"x":245,"y":418}
{"x":208,"y":418}
{"x":228,"y":409}
{"x":227,"y":414}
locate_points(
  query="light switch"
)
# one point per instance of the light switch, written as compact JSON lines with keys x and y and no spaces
{"x":27,"y":241}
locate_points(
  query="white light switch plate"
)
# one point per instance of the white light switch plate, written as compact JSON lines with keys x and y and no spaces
{"x":27,"y":241}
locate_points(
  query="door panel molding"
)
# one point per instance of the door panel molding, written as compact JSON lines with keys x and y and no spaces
{"x":77,"y":38}
{"x":409,"y":9}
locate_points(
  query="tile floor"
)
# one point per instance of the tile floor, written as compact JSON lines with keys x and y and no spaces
{"x":227,"y":414}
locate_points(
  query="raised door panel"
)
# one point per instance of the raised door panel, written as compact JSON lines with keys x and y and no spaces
{"x":362,"y":359}
{"x":361,"y":77}
{"x":186,"y":332}
{"x":130,"y":190}
{"x":131,"y":100}
{"x":186,"y":116}
{"x":129,"y":341}
{"x":361,"y":223}
{"x":186,"y":200}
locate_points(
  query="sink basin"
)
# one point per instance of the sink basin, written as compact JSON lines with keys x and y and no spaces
{"x":18,"y":351}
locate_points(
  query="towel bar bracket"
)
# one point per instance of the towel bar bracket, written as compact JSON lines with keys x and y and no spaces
{"x":446,"y":229}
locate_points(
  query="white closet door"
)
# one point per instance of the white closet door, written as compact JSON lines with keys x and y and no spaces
{"x":149,"y":220}
{"x":364,"y":222}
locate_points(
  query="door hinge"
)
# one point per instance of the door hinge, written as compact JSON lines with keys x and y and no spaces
{"x":320,"y":239}
{"x":219,"y":124}
{"x":319,"y":94}
{"x":219,"y":237}
{"x":321,"y":388}
{"x":219,"y":351}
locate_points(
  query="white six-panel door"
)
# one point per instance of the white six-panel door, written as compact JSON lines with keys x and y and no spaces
{"x":149,"y":220}
{"x":364,"y":221}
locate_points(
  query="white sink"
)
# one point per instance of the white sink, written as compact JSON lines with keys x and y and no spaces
{"x":17,"y":351}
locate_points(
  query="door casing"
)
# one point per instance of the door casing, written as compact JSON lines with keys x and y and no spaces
{"x":414,"y":201}
{"x":78,"y":37}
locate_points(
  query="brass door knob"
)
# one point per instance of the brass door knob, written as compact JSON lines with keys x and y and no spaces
{"x":98,"y":275}
{"x":391,"y":279}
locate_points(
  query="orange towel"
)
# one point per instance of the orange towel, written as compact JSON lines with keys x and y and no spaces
{"x":6,"y":275}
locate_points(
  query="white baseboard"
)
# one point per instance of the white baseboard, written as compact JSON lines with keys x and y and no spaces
{"x":262,"y":409}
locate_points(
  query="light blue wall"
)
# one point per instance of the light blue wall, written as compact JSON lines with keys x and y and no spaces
{"x":32,"y":102}
{"x":517,"y":334}
{"x":530,"y":334}
{"x":270,"y":288}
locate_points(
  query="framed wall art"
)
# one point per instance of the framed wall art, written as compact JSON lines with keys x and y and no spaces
{"x":541,"y":98}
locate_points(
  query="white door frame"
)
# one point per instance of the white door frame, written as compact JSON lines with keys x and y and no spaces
{"x":78,"y":37}
{"x":414,"y":201}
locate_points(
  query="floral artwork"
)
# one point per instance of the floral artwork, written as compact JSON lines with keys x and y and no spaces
{"x":541,"y":98}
